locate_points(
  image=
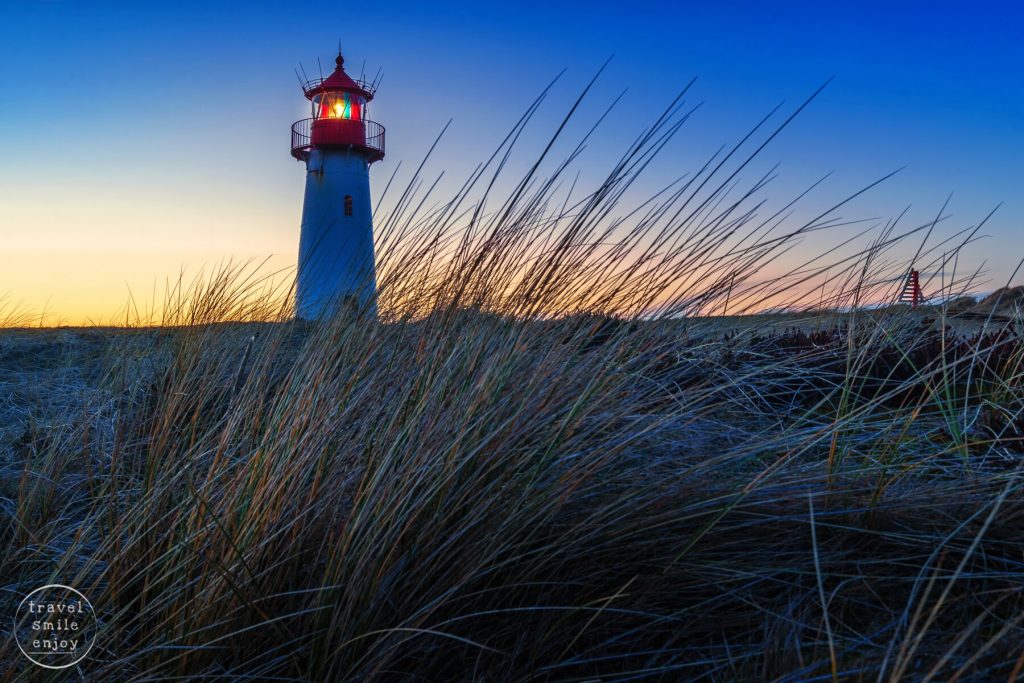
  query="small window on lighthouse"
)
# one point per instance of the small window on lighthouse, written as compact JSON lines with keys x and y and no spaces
{"x":348,"y":205}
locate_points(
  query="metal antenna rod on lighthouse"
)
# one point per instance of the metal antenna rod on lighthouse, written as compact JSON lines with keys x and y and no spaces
{"x":336,"y":270}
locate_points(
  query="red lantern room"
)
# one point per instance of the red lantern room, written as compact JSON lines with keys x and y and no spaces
{"x":339,"y":117}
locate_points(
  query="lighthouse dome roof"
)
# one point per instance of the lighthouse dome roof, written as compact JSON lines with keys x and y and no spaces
{"x":338,"y":81}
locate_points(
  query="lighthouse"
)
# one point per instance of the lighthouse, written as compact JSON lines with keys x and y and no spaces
{"x":337,"y":144}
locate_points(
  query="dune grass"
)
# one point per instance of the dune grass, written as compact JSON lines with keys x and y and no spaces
{"x":543,"y":462}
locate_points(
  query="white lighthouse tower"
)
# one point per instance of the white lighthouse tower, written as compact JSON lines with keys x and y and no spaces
{"x":338,"y":144}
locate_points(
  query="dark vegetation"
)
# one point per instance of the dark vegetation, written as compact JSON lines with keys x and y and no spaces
{"x":548,"y":460}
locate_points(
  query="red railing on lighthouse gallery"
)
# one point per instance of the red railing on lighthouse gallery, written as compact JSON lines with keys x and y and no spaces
{"x":368,"y":135}
{"x":311,"y":86}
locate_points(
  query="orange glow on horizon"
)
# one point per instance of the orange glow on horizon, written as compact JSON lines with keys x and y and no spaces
{"x":103,"y":288}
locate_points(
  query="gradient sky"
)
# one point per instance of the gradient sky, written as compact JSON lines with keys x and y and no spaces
{"x":140,"y":138}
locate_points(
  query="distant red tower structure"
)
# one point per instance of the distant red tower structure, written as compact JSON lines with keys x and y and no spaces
{"x":911,"y":293}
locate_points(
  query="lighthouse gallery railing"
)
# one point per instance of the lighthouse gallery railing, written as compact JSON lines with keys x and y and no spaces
{"x":311,"y":85}
{"x":373,"y":137}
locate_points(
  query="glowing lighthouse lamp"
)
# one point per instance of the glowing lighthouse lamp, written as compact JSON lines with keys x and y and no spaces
{"x":338,"y":144}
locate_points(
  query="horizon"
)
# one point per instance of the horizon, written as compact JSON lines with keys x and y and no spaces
{"x":166,"y":148}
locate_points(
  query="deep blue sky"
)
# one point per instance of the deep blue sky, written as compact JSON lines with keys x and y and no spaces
{"x":147,"y":135}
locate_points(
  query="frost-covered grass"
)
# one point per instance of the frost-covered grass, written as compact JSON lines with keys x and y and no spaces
{"x":501,"y":480}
